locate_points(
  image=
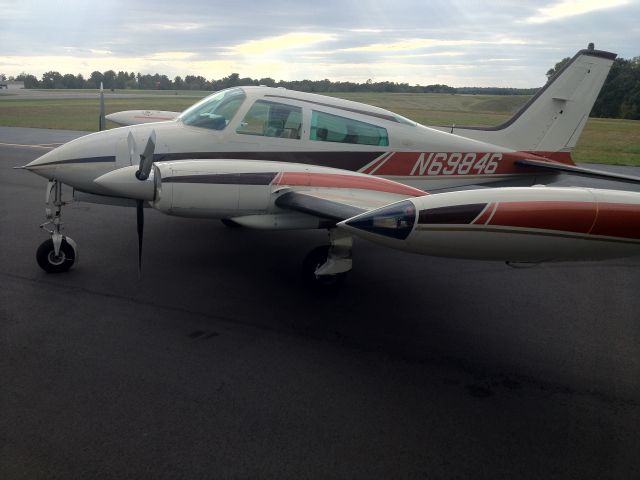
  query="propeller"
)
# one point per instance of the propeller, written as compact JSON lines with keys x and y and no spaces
{"x":144,"y":170}
{"x":146,"y":159}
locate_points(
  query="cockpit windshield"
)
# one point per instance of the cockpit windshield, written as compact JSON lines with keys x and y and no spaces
{"x":215,"y":111}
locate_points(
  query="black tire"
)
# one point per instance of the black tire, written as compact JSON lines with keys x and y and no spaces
{"x":312,"y":261}
{"x":49,"y":262}
{"x":227,"y":222}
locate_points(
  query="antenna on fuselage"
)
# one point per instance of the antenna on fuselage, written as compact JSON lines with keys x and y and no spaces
{"x":101,"y":122}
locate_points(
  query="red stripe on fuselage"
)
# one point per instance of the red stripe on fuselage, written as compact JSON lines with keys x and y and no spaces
{"x":370,"y":170}
{"x":456,"y":164}
{"x":330,"y":180}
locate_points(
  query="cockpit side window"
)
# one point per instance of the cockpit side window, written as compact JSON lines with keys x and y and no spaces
{"x":272,"y":119}
{"x":216,"y":111}
{"x":326,"y":127}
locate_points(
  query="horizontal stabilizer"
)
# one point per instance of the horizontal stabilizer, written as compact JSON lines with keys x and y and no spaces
{"x":136,"y":117}
{"x":589,"y":172}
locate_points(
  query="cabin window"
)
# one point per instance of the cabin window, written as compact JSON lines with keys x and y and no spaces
{"x":216,"y":111}
{"x":272,"y":119}
{"x":333,"y":128}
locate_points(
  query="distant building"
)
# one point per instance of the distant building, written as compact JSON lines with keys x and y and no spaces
{"x":11,"y":85}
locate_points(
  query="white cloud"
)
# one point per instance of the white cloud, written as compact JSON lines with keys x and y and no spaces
{"x":422,"y":43}
{"x":294,"y":40}
{"x":571,"y":8}
{"x":426,"y":55}
{"x":171,"y":56}
{"x":175,"y":26}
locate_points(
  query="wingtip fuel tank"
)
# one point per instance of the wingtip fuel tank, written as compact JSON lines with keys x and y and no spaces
{"x":509,"y":224}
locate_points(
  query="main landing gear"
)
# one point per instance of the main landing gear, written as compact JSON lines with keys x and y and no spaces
{"x":59,"y":253}
{"x":328,"y":265}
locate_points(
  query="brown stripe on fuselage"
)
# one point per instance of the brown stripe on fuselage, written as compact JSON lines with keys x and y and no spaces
{"x":353,"y":161}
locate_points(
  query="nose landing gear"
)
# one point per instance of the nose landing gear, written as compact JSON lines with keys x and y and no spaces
{"x":58,"y":253}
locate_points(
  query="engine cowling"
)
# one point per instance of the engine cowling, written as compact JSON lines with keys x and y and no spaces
{"x":197,"y":188}
{"x":208,"y":189}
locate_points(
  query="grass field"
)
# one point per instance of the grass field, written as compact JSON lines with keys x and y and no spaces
{"x":603,"y":140}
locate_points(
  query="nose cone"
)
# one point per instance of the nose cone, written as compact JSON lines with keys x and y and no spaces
{"x":46,"y":164}
{"x":79,"y":161}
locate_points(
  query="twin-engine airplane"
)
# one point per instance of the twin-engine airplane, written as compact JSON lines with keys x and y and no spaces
{"x":271,"y":158}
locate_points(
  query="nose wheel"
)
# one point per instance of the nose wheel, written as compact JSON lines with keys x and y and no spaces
{"x":58,"y":253}
{"x":52,"y":262}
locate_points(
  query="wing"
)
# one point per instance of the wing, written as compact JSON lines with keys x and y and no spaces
{"x":338,"y":194}
{"x":318,"y":205}
{"x":337,"y":205}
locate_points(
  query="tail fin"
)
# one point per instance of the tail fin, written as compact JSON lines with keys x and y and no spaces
{"x":551,"y":122}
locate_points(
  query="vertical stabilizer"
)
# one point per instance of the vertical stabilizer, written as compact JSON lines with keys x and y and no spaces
{"x":551,"y":122}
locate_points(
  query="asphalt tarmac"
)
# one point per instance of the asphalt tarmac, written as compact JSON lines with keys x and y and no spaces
{"x":218,"y":363}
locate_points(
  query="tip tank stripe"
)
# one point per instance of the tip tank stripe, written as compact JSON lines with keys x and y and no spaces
{"x":617,"y":220}
{"x":454,"y":214}
{"x":485,"y":215}
{"x":602,"y":219}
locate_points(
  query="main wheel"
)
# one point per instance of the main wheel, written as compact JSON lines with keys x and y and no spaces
{"x":52,"y":263}
{"x":312,"y":261}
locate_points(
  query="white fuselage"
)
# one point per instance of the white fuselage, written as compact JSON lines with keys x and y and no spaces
{"x":411,"y":153}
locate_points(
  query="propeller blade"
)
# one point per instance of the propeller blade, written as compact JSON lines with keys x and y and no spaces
{"x":146,"y":159}
{"x":140,"y":219}
{"x":133,"y":149}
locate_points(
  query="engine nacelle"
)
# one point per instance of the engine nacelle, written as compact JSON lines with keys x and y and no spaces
{"x":209,"y":189}
{"x":199,"y":188}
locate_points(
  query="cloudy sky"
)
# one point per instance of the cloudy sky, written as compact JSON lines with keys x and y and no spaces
{"x":459,"y":43}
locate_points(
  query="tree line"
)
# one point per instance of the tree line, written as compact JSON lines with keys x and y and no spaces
{"x":125,"y":80}
{"x":129,"y":80}
{"x":619,"y":97}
